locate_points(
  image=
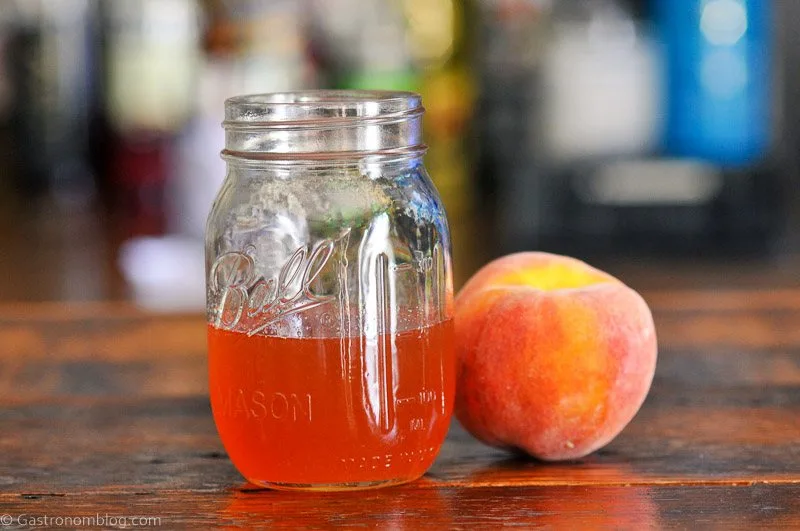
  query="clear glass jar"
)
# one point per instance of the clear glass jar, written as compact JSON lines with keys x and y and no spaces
{"x":329,"y":292}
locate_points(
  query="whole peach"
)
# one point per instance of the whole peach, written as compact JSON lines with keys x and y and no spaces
{"x":555,"y":357}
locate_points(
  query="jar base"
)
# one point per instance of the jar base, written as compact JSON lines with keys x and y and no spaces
{"x":333,"y":487}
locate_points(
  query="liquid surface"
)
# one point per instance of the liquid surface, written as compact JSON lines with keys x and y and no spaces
{"x":327,"y":411}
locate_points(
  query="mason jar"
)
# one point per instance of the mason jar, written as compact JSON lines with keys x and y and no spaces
{"x":329,"y":292}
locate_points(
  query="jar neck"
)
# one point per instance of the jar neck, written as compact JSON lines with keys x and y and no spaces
{"x":371,"y":166}
{"x":324,"y":126}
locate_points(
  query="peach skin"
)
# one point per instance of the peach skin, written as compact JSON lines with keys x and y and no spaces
{"x":555,"y":357}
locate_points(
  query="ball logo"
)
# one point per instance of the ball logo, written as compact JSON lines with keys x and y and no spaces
{"x":238,"y":297}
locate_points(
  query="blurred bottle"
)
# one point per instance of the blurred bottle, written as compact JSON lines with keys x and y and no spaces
{"x":512,"y":40}
{"x":51,"y":63}
{"x":264,"y":43}
{"x":599,"y":83}
{"x":599,"y":103}
{"x":718,"y":68}
{"x":151,"y":51}
{"x":363,"y":44}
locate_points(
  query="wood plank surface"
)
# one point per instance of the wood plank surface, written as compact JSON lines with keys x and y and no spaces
{"x":105,"y":410}
{"x":408,"y":507}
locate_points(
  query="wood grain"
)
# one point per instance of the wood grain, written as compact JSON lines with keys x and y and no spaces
{"x":105,"y":409}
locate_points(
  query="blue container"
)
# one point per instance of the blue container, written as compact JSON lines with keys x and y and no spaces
{"x":718,"y":89}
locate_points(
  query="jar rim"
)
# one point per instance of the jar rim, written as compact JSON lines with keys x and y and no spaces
{"x":315,"y":107}
{"x":341,"y":122}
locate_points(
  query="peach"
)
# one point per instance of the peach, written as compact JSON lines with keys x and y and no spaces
{"x":555,"y":357}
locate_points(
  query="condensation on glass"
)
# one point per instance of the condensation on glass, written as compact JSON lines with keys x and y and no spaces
{"x":329,"y":292}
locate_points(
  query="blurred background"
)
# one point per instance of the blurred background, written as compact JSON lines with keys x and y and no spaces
{"x":655,"y":138}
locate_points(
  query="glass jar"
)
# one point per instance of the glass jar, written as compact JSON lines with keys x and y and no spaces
{"x":329,"y":292}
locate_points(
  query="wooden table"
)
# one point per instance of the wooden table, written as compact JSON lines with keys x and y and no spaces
{"x":105,"y":412}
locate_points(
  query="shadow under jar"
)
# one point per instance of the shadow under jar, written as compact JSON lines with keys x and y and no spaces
{"x":329,"y":292}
